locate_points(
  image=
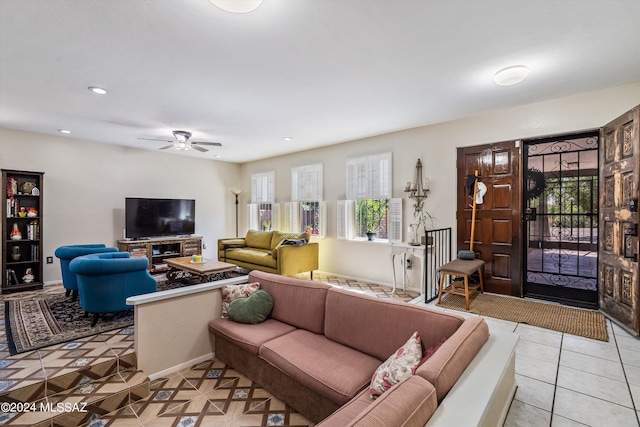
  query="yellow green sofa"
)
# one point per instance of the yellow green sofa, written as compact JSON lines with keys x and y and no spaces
{"x":262,"y":250}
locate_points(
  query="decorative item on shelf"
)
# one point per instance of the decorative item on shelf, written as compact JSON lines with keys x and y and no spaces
{"x":418,"y":190}
{"x":28,"y":276}
{"x":15,"y":253}
{"x":26,"y":187}
{"x":15,"y":232}
{"x":35,"y":191}
{"x":22,"y":213}
{"x":12,"y":187}
{"x":32,"y":212}
{"x":411,"y":231}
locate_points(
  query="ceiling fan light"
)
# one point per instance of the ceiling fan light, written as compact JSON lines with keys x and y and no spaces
{"x":511,"y":75}
{"x":181,"y":146}
{"x":182,"y":136}
{"x":237,"y":6}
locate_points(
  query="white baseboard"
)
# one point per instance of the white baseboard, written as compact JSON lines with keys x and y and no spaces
{"x":183,"y":365}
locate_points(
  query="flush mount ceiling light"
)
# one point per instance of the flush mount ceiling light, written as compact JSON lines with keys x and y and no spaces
{"x":287,"y":138}
{"x":511,"y":75}
{"x":64,"y":131}
{"x":97,"y":90}
{"x":237,"y":6}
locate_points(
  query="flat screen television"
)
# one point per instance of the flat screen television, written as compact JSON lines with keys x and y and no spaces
{"x":159,"y":217}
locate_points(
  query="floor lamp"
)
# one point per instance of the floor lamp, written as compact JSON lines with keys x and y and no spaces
{"x":236,"y":193}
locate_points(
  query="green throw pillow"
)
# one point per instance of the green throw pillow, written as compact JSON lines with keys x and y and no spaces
{"x":252,"y":309}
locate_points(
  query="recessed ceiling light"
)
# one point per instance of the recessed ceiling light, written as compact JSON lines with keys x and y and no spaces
{"x":287,"y":138}
{"x":98,"y":90}
{"x":511,"y":75}
{"x":217,"y":156}
{"x":237,"y":6}
{"x":64,"y":131}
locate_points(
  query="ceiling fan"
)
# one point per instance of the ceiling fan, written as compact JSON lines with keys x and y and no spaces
{"x":183,"y":142}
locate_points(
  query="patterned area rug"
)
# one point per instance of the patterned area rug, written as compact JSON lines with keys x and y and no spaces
{"x":575,"y":321}
{"x":44,"y":320}
{"x":49,"y":319}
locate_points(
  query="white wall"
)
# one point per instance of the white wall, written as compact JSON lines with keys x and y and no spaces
{"x":436,"y":146}
{"x":85,"y":184}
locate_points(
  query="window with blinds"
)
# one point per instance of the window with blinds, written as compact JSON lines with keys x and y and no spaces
{"x":307,"y":210}
{"x":262,"y":212}
{"x":369,"y":206}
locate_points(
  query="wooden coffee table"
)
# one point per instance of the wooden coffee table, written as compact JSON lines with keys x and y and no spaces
{"x":184,"y":269}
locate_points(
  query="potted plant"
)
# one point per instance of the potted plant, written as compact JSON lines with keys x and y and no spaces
{"x":266,"y":226}
{"x":371,"y":233}
{"x":422,"y":216}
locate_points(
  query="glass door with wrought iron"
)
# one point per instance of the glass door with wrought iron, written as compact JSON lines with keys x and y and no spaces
{"x":561,"y":219}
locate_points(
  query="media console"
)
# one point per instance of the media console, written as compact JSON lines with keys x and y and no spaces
{"x":156,"y":250}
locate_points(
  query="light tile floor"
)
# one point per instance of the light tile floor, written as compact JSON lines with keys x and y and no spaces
{"x":570,"y":381}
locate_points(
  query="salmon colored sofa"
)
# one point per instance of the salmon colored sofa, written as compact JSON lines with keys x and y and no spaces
{"x":263,"y":251}
{"x":320,"y":346}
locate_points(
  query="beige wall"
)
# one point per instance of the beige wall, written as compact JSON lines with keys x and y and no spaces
{"x":86,"y":184}
{"x":436,"y":146}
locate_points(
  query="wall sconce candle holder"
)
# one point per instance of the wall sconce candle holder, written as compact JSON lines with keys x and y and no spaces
{"x":420,"y":188}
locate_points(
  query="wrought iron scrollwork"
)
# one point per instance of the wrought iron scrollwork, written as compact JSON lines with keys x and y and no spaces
{"x":563,"y":146}
{"x":564,"y":281}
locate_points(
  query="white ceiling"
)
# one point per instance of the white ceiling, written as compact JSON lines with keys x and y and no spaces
{"x":320,"y":71}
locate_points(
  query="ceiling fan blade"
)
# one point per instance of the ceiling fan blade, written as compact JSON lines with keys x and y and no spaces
{"x":195,"y":147}
{"x":154,"y":139}
{"x":217,"y":144}
{"x":165,"y":147}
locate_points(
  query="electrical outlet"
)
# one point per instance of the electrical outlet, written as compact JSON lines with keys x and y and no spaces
{"x":49,"y":260}
{"x":409,"y":263}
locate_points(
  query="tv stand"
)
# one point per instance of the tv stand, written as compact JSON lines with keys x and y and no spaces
{"x":156,"y":250}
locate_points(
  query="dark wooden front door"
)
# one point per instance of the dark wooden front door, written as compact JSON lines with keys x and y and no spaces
{"x":497,"y":230}
{"x":619,"y":294}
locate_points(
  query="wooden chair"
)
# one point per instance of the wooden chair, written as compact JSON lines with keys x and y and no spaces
{"x":460,"y":268}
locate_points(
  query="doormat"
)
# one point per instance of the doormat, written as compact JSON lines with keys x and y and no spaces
{"x":41,"y":321}
{"x":570,"y":320}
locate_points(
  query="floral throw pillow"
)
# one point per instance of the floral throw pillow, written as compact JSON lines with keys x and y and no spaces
{"x":398,"y":367}
{"x":231,"y":292}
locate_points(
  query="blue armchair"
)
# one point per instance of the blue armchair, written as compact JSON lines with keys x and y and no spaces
{"x":67,"y":253}
{"x":106,"y":280}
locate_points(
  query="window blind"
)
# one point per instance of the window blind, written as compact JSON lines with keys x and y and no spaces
{"x":262,"y":187}
{"x":369,"y":177}
{"x":306,"y":183}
